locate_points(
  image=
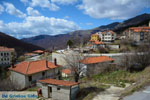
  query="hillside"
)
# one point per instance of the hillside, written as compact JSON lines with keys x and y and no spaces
{"x":20,"y":46}
{"x":59,"y":41}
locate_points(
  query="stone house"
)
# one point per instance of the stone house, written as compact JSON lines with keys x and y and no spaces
{"x":6,"y":56}
{"x":97,"y":44}
{"x":26,"y":73}
{"x":137,"y":34}
{"x":59,"y":89}
{"x":95,"y":65}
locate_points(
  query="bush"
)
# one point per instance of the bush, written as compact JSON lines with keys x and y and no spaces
{"x":103,"y":50}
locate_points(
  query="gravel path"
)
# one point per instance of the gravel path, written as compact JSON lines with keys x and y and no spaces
{"x":111,"y":93}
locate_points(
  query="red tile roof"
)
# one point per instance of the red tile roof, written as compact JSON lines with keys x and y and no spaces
{"x":58,"y":82}
{"x":33,"y":67}
{"x":139,"y":29}
{"x":66,"y":71}
{"x":29,"y":54}
{"x":108,"y":31}
{"x":92,"y":60}
{"x":98,"y":42}
{"x":6,"y":49}
{"x":95,"y":34}
{"x":38,"y":51}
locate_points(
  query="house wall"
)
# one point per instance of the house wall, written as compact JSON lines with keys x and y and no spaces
{"x":60,"y":58}
{"x":63,"y":93}
{"x":23,"y":80}
{"x":45,"y":91}
{"x":74,"y":90}
{"x":18,"y":79}
{"x":64,"y":74}
{"x":53,"y":73}
{"x":107,"y":36}
{"x":114,"y":46}
{"x":93,"y":69}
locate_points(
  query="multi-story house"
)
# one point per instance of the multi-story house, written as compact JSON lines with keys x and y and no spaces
{"x":6,"y":55}
{"x":107,"y":36}
{"x":26,"y":73}
{"x":138,"y":34}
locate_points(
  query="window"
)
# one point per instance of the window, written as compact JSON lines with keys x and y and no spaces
{"x":1,"y":54}
{"x":58,"y":88}
{"x":30,"y":78}
{"x":43,"y":73}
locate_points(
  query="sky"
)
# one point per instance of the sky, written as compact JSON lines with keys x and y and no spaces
{"x":27,"y":18}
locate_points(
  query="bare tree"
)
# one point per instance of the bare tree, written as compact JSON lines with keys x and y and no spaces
{"x":73,"y":62}
{"x":138,"y":60}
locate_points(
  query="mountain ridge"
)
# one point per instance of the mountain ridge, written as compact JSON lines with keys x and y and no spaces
{"x":59,"y":41}
{"x":20,"y":46}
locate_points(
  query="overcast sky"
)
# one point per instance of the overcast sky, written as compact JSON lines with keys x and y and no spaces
{"x":27,"y":18}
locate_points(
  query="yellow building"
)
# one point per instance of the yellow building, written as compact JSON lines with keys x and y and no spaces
{"x":94,"y":37}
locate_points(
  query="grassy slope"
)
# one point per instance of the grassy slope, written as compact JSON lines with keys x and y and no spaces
{"x":117,"y":78}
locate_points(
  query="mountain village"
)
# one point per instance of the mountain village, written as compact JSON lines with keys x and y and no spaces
{"x":98,"y":70}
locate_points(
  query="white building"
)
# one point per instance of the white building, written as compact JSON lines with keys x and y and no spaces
{"x":26,"y":73}
{"x":6,"y":55}
{"x":107,"y":36}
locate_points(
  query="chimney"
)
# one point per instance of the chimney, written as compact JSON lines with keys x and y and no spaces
{"x":55,"y":61}
{"x":47,"y":64}
{"x":13,"y":66}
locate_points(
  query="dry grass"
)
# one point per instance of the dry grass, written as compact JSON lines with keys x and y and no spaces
{"x":141,"y":80}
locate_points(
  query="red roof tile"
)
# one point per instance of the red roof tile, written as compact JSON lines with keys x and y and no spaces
{"x":6,"y":49}
{"x":33,"y":67}
{"x":58,"y":82}
{"x":92,"y":60}
{"x":66,"y":71}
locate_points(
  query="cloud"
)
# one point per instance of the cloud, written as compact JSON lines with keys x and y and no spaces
{"x":36,"y":25}
{"x":32,"y":12}
{"x":44,"y":4}
{"x":64,"y":2}
{"x":66,"y":17}
{"x":1,"y":9}
{"x":10,"y":8}
{"x":24,"y":1}
{"x":114,"y":9}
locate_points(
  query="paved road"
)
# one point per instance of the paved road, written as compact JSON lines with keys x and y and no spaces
{"x":141,"y":95}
